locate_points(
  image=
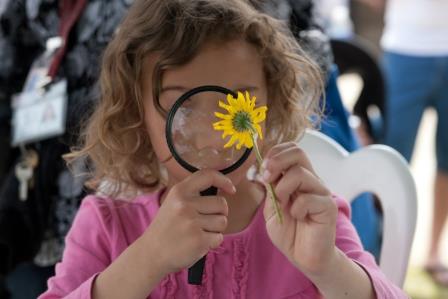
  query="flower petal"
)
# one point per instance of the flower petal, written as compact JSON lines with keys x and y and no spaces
{"x":248,"y":141}
{"x":242,"y":101}
{"x":259,"y":114}
{"x":227,"y":133}
{"x":232,"y":101}
{"x":223,"y":116}
{"x":229,"y":108}
{"x":222,"y":123}
{"x":232,"y":140}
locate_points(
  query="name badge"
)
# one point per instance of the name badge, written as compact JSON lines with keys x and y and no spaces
{"x":39,"y":113}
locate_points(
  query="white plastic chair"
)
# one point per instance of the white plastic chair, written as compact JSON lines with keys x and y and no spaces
{"x":380,"y":170}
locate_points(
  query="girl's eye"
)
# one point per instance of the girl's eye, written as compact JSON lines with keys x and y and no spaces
{"x":168,"y":102}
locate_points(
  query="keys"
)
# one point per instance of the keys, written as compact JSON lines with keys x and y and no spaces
{"x":24,"y":172}
{"x":32,"y":159}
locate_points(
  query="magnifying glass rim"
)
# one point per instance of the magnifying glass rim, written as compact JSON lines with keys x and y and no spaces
{"x":169,"y":123}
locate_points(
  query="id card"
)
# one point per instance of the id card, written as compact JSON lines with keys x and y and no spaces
{"x":39,"y":114}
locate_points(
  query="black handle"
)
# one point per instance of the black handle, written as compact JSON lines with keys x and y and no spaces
{"x":196,"y":271}
{"x":210,"y":191}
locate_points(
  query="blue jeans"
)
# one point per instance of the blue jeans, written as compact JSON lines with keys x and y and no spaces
{"x":414,"y":83}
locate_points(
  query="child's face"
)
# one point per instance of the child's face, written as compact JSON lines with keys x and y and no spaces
{"x":235,"y":65}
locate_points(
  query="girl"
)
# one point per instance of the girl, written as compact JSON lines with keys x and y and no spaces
{"x":137,"y":237}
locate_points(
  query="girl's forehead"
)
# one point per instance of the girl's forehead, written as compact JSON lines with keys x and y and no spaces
{"x":230,"y":64}
{"x":220,"y":64}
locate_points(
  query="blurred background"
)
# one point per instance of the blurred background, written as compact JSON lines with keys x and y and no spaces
{"x":368,"y":22}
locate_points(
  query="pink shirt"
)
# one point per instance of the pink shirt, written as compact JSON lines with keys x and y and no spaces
{"x":246,"y":265}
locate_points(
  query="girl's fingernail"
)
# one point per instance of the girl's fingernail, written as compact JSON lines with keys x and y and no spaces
{"x":264,"y":164}
{"x":251,"y":173}
{"x":266,"y":175}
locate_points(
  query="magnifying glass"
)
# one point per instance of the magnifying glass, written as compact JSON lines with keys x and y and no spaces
{"x":195,"y":144}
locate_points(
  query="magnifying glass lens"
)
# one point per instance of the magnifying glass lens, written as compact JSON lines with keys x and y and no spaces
{"x":194,"y":138}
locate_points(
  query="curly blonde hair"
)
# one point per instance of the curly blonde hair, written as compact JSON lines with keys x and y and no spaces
{"x":115,"y":139}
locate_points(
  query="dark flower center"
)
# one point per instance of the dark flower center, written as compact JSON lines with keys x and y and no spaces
{"x":242,"y":121}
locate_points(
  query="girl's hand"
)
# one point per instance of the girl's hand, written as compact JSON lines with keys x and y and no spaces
{"x":307,"y":235}
{"x":188,"y":225}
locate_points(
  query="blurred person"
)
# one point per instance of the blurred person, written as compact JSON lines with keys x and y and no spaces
{"x":335,"y":18}
{"x":415,"y":44}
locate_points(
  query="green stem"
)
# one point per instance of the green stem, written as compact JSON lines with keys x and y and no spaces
{"x":271,"y":191}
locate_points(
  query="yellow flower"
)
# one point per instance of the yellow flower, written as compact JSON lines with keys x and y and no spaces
{"x":242,"y":121}
{"x":243,"y":125}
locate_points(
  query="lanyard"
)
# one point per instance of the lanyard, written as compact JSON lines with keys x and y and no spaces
{"x":70,"y":11}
